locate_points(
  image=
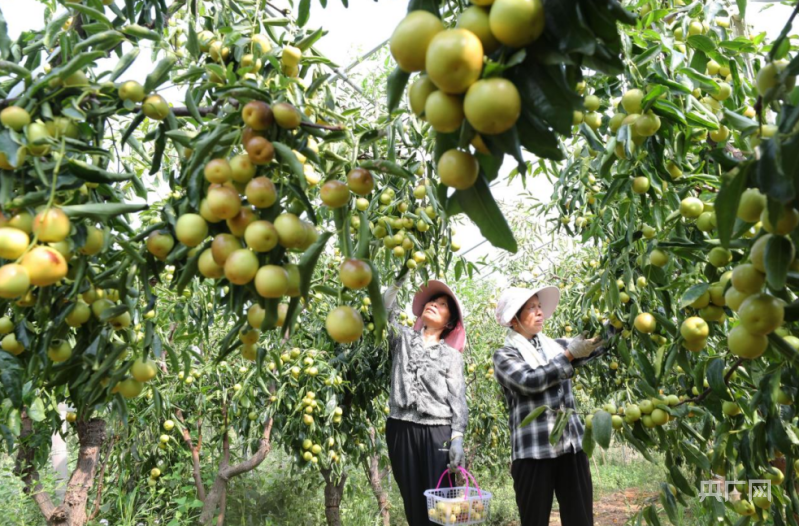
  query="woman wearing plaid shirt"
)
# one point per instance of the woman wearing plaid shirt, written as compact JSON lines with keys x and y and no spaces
{"x":534,"y":371}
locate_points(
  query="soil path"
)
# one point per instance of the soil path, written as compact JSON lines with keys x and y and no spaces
{"x":614,"y":508}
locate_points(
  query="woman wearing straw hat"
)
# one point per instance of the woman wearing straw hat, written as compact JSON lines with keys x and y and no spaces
{"x":427,"y":404}
{"x":534,"y":371}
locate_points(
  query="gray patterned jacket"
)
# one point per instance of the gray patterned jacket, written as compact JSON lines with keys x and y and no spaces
{"x":427,"y":383}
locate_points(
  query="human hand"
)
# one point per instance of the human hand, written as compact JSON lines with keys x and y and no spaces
{"x":579,"y":347}
{"x":455,"y":454}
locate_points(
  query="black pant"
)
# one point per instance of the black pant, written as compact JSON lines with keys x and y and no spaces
{"x":417,"y":463}
{"x":568,"y":476}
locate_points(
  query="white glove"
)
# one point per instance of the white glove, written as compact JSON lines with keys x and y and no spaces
{"x":579,"y":347}
{"x":390,"y":294}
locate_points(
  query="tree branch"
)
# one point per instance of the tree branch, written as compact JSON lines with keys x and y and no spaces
{"x":195,"y":456}
{"x":264,"y":446}
{"x":707,"y":391}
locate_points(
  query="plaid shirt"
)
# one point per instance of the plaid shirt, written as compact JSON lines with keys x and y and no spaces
{"x":526,"y":389}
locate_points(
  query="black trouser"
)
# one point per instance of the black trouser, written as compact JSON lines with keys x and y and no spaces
{"x":568,"y":476}
{"x":417,"y":463}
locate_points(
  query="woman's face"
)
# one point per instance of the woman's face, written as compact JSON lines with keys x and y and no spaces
{"x":436,"y":313}
{"x":530,"y":320}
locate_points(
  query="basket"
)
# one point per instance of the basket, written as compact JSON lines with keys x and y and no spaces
{"x":459,"y":505}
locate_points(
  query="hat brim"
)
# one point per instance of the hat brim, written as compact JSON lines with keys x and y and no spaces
{"x":548,"y":298}
{"x":457,"y":337}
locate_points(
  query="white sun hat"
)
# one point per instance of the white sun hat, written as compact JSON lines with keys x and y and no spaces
{"x":514,"y":298}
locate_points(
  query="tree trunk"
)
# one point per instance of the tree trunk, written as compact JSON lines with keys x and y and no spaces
{"x":375,"y":476}
{"x":71,"y":512}
{"x":334,"y":490}
{"x":213,"y":498}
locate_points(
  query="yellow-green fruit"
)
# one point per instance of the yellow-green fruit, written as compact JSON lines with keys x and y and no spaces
{"x":13,"y":243}
{"x":746,"y":345}
{"x":641,"y":184}
{"x":476,"y":20}
{"x":721,"y":135}
{"x":454,"y":60}
{"x":716,"y":291}
{"x":130,"y":388}
{"x":768,"y":77}
{"x":492,"y":106}
{"x":37,"y":131}
{"x":691,"y":207}
{"x":734,"y":298}
{"x":645,"y":323}
{"x":723,"y":93}
{"x":131,"y":90}
{"x":155,"y":107}
{"x":191,"y":229}
{"x":6,"y":325}
{"x":517,"y":23}
{"x":577,"y":118}
{"x":694,"y":329}
{"x":458,"y":169}
{"x":591,"y":102}
{"x":706,"y":221}
{"x":758,"y":252}
{"x":674,"y":170}
{"x":418,"y":93}
{"x":444,"y":112}
{"x":647,"y":125}
{"x":593,"y":119}
{"x":659,"y":417}
{"x":761,"y":314}
{"x":658,"y":258}
{"x":788,"y":221}
{"x":751,"y":205}
{"x":631,"y":100}
{"x":719,"y":257}
{"x":59,"y":351}
{"x":411,"y":39}
{"x":15,"y":118}
{"x":746,"y":278}
{"x":143,"y":370}
{"x":712,"y":313}
{"x":730,"y":408}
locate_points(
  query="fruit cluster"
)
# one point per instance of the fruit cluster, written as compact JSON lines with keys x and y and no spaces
{"x":458,"y":511}
{"x":450,"y":90}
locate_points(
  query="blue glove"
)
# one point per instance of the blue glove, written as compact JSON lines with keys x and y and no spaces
{"x":455,"y":454}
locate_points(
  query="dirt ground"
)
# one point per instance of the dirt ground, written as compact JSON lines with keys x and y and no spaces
{"x":614,"y":508}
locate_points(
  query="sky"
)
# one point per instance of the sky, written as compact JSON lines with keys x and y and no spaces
{"x":364,"y":25}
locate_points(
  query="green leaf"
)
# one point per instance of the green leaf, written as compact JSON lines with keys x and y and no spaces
{"x":726,"y":204}
{"x":102,"y":212}
{"x":388,"y":167}
{"x":702,"y":43}
{"x":588,"y":441}
{"x":545,"y":92}
{"x":560,"y":424}
{"x":784,"y":348}
{"x":670,"y":110}
{"x":5,"y":41}
{"x":535,"y":413}
{"x":160,"y":74}
{"x":715,"y":378}
{"x":479,"y":205}
{"x":304,"y":12}
{"x":379,"y":313}
{"x":286,"y":156}
{"x":36,"y":410}
{"x":93,"y":174}
{"x":669,"y":504}
{"x":603,"y":428}
{"x":769,"y":175}
{"x":537,"y":138}
{"x":778,"y":261}
{"x":93,"y":13}
{"x":308,"y":261}
{"x":693,"y":294}
{"x":397,"y":81}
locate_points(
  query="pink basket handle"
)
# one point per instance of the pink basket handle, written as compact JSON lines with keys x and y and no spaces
{"x":467,"y":475}
{"x":446,"y":472}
